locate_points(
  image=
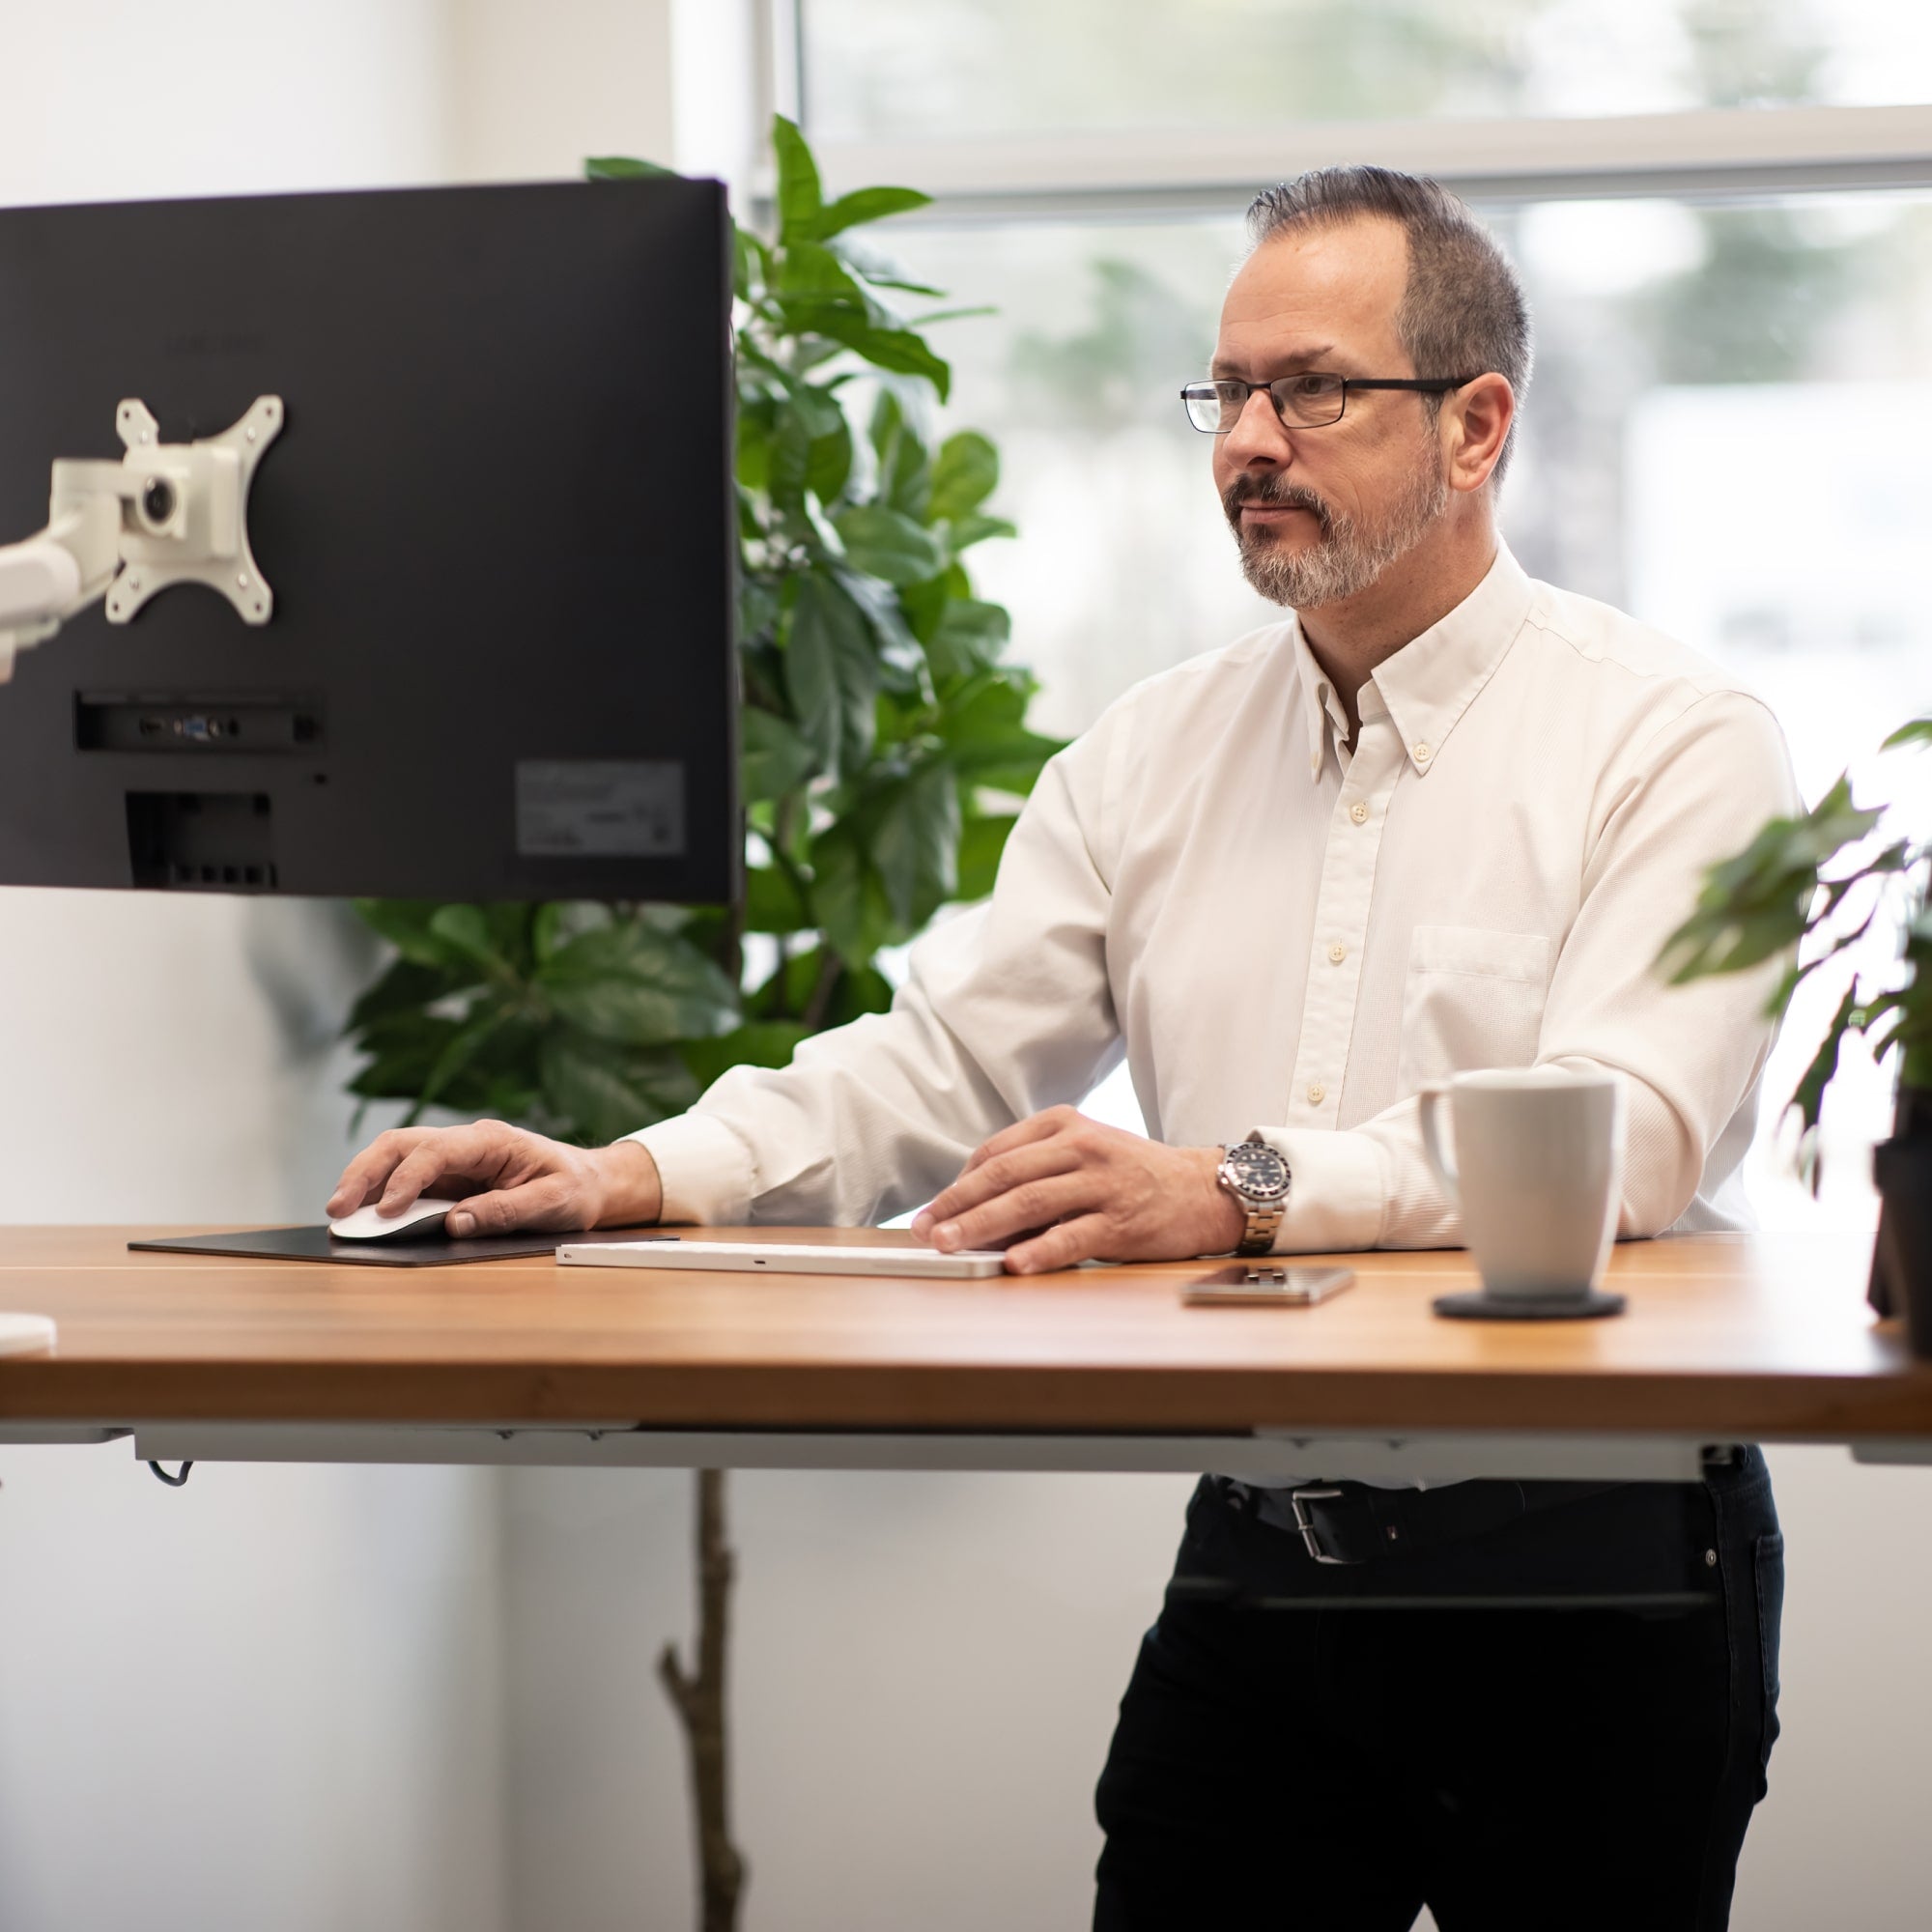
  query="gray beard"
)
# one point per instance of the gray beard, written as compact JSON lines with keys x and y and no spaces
{"x":1349,"y":558}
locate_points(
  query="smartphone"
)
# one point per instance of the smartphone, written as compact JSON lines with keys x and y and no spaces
{"x":1262,"y":1285}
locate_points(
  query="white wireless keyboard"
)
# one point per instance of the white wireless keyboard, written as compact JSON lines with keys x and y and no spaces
{"x":783,"y":1258}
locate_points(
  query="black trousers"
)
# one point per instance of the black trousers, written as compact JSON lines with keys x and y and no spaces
{"x":1303,"y":1745}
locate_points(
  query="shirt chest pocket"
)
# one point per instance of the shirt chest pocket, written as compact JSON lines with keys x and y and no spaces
{"x":1472,"y":998}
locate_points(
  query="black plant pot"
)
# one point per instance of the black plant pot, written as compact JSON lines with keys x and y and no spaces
{"x":1902,"y":1258}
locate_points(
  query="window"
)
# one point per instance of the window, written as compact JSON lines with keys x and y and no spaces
{"x":1733,"y":386}
{"x":878,"y":69}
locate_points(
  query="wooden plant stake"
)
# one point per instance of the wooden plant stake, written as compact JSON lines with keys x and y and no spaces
{"x":698,"y":1697}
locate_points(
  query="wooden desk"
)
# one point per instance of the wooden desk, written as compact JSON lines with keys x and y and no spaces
{"x":1727,"y":1338}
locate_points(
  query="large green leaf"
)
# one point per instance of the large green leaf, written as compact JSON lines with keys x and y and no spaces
{"x":1760,"y":901}
{"x":964,"y":532}
{"x":633,"y":985}
{"x":897,"y":349}
{"x":829,"y":464}
{"x":460,"y":1051}
{"x":801,"y":200}
{"x":879,"y":271}
{"x":832,"y":675}
{"x":986,"y":734}
{"x":966,"y":474}
{"x":914,"y":845}
{"x":868,"y":204}
{"x":603,"y":1094}
{"x":811,"y":269}
{"x":983,"y":841}
{"x":968,"y":637}
{"x":774,"y":759}
{"x":407,"y":924}
{"x":772,"y":902}
{"x":403,"y":1048}
{"x":889,"y":544}
{"x":1808,"y":1099}
{"x":750,"y":265}
{"x":905,"y":465}
{"x":848,"y":896}
{"x":892,"y":636}
{"x":464,"y":931}
{"x":403,"y":989}
{"x":756,"y":435}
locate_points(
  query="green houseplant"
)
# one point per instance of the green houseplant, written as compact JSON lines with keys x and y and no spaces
{"x":884,"y":739}
{"x":884,"y":754}
{"x":1805,"y":882}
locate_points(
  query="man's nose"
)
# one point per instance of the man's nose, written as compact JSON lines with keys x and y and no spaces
{"x":1258,"y":435}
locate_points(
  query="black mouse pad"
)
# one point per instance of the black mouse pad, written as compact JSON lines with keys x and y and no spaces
{"x":318,"y":1244}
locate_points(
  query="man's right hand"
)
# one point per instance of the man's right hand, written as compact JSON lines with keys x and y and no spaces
{"x":503,"y":1177}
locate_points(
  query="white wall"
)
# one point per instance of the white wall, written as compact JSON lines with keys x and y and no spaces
{"x":925,"y":1673}
{"x":269,"y":1699}
{"x":534,"y":89}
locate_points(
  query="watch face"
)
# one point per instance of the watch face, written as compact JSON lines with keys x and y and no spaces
{"x":1258,"y":1171}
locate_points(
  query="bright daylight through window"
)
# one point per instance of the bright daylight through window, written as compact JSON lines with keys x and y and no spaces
{"x":1732,"y":393}
{"x":875,"y":70}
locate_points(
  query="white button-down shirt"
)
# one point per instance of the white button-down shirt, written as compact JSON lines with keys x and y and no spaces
{"x":1285,"y":931}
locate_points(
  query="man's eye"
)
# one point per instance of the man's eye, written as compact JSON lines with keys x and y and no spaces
{"x":1311,"y":386}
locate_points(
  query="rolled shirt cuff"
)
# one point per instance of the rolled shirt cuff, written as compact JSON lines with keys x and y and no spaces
{"x":705,"y":1168}
{"x":1337,"y":1193}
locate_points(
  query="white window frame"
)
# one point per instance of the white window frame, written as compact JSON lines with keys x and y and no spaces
{"x":1701,"y":153}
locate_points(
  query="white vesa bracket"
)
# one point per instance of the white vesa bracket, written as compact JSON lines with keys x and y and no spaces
{"x":166,"y":513}
{"x":203,"y":536}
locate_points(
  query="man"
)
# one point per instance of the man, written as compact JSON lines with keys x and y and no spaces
{"x":1442,"y":817}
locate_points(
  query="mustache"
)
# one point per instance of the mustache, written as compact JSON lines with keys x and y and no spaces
{"x":1274,"y":492}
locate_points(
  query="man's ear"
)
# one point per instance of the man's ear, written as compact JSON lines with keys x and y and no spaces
{"x":1477,"y":418}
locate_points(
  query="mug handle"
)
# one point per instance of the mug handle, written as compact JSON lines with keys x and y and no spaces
{"x":1426,"y":1099}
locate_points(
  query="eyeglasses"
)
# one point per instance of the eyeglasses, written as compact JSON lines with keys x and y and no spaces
{"x":1307,"y":401}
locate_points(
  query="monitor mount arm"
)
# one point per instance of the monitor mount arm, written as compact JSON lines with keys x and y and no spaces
{"x":167,"y":513}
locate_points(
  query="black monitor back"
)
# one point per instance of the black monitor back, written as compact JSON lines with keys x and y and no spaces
{"x":497,"y":525}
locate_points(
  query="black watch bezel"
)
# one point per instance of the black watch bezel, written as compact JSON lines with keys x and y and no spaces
{"x":1239,"y":1161}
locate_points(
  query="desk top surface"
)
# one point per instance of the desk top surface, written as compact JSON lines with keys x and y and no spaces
{"x":1726,"y":1336}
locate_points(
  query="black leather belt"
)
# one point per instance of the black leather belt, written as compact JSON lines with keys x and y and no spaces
{"x":1357,"y":1522}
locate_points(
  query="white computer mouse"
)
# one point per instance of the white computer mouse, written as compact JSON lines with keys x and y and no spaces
{"x":421,"y":1217}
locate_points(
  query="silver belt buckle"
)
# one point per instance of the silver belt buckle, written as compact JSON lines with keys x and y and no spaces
{"x":1311,"y":1538}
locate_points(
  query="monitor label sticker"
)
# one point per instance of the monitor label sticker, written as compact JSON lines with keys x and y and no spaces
{"x":600,"y":808}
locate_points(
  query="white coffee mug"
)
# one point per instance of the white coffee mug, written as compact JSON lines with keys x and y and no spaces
{"x":1537,"y":1175}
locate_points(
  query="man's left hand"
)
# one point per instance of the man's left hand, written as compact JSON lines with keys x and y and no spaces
{"x":1062,"y":1189}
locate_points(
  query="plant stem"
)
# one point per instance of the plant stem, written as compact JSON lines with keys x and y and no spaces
{"x":698,"y":1698}
{"x":829,"y":972}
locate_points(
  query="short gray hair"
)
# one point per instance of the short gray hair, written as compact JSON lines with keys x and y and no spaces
{"x":1463,"y":311}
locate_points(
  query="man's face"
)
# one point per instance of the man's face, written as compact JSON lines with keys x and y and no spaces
{"x":1321,"y":514}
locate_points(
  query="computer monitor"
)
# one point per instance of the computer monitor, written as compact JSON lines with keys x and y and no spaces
{"x":497,"y":521}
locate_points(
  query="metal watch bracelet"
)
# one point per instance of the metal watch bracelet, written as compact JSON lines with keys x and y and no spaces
{"x":1262,"y":1208}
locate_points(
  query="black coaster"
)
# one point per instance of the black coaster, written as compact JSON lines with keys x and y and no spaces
{"x":1478,"y":1304}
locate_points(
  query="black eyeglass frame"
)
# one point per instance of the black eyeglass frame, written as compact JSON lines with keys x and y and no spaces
{"x":1427,"y":386}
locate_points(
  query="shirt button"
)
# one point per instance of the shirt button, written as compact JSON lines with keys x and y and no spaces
{"x":1422,"y":754}
{"x":1316,"y":1093}
{"x":1359,"y":813}
{"x":1338,"y":952}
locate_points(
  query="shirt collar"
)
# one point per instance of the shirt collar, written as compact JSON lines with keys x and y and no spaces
{"x":1432,"y":679}
{"x":1319,"y":701}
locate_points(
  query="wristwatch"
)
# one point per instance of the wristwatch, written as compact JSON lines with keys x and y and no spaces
{"x":1257,"y":1176}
